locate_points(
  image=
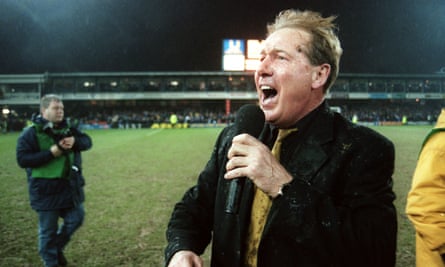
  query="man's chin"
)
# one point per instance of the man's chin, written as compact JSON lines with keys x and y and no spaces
{"x":268,"y":115}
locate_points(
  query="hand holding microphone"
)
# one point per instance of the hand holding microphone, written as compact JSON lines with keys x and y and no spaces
{"x":249,"y":158}
{"x":249,"y":120}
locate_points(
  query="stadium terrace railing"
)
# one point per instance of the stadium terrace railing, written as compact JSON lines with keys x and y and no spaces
{"x":25,"y":89}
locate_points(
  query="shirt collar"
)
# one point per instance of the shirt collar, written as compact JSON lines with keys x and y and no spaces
{"x":304,"y":122}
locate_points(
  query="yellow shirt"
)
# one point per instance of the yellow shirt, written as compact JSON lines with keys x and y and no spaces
{"x":260,"y":209}
{"x":426,"y":200}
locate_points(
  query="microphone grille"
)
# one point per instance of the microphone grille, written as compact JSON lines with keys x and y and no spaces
{"x":250,"y":119}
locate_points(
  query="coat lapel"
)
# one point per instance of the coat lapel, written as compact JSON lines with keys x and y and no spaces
{"x":305,"y":160}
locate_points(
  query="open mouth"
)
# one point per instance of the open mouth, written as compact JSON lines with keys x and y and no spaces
{"x":268,"y":91}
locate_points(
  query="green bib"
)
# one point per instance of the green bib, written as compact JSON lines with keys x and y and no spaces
{"x":58,"y":167}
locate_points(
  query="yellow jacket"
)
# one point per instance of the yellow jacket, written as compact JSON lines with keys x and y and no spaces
{"x":426,"y":199}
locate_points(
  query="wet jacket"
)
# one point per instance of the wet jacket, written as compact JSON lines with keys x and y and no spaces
{"x":337,"y":211}
{"x":426,"y":198}
{"x":49,"y":193}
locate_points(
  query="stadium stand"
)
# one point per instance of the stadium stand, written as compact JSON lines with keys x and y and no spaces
{"x":202,"y":99}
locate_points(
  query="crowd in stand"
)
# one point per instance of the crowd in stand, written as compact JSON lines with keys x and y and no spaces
{"x":124,"y":118}
{"x":145,"y":119}
{"x":389,"y":111}
{"x":365,"y":111}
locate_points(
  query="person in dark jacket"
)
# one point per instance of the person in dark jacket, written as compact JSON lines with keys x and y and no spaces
{"x":324,"y":199}
{"x":50,"y":151}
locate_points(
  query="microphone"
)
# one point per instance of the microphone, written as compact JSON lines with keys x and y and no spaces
{"x":249,"y":119}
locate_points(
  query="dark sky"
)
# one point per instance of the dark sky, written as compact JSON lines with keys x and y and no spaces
{"x":378,"y":36}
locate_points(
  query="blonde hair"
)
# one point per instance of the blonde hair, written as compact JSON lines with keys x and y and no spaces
{"x":324,"y":46}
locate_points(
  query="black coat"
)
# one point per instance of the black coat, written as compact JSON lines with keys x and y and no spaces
{"x":337,"y":211}
{"x":51,"y":194}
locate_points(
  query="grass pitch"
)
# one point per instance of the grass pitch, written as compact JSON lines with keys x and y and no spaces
{"x":134,"y":178}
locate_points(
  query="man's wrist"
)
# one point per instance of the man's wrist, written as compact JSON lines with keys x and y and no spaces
{"x":60,"y":147}
{"x":281,"y":189}
{"x":56,"y":151}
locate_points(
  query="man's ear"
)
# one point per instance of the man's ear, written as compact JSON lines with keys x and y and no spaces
{"x":320,"y":75}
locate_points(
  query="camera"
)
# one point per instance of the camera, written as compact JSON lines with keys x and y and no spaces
{"x":59,"y":136}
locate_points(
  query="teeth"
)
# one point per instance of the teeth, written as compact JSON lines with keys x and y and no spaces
{"x":265,"y":87}
{"x":268,"y":91}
